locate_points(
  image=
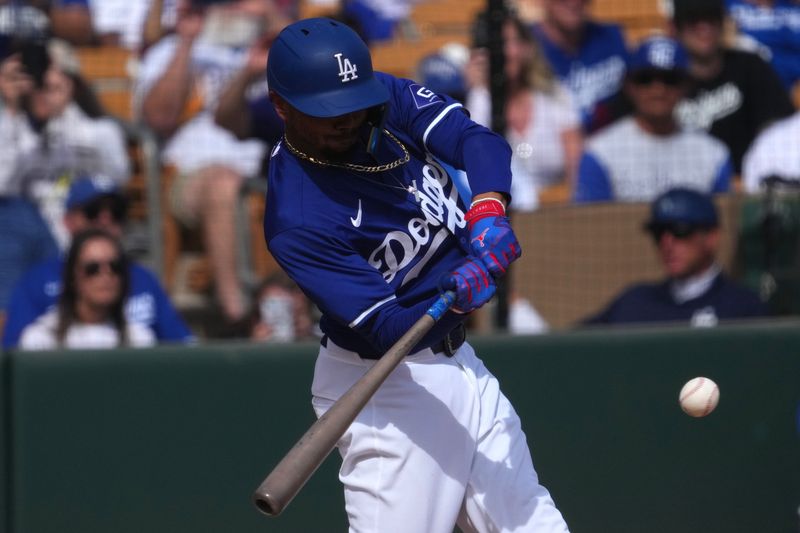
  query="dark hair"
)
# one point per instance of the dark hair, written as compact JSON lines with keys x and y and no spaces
{"x":85,"y":97}
{"x":536,"y":73}
{"x":686,"y":11}
{"x":34,"y":58}
{"x":67,"y":302}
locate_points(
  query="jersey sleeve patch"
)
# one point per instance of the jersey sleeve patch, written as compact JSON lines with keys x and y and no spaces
{"x":423,"y":97}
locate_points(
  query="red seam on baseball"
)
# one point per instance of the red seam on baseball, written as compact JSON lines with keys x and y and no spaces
{"x":709,"y":403}
{"x":695,"y":389}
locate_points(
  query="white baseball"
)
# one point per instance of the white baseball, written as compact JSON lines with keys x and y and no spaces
{"x":699,"y":397}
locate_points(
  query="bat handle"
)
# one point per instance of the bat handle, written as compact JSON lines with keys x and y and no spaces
{"x":442,"y":305}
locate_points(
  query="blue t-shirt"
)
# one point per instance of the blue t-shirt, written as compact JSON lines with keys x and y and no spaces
{"x":595,"y":73}
{"x":40,"y":287}
{"x":24,"y":241}
{"x":365,"y":247}
{"x":646,"y":303}
{"x":777,"y":28}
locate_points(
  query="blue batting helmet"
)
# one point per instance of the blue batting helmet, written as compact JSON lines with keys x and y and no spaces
{"x":323,"y":69}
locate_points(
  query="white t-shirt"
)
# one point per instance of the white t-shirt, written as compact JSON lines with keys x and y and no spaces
{"x":638,"y":166}
{"x":200,"y":142}
{"x":776,"y":151}
{"x":41,"y":335}
{"x":17,"y":141}
{"x":538,"y":157}
{"x":73,"y":143}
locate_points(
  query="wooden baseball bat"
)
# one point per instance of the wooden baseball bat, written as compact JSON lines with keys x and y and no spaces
{"x":300,"y":463}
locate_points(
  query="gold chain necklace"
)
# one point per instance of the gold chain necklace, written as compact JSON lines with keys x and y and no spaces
{"x":354,"y":166}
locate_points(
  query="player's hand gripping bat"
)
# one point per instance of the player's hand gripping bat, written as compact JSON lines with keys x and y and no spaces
{"x":300,"y":463}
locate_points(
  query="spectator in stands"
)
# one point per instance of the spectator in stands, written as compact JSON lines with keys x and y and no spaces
{"x":685,"y":228}
{"x":244,"y":108}
{"x":75,"y":137}
{"x":441,"y":73}
{"x":734,"y":94}
{"x":93,"y":203}
{"x":589,"y":57}
{"x":542,"y":125}
{"x":24,"y":239}
{"x":774,"y":25}
{"x":775,"y":152}
{"x":641,"y":156}
{"x":281,"y":312}
{"x":179,"y":84}
{"x":378,"y":19}
{"x":70,"y":20}
{"x":90,"y":310}
{"x":19,"y":73}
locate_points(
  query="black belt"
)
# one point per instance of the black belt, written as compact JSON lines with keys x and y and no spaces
{"x":452,"y":341}
{"x":449,"y":345}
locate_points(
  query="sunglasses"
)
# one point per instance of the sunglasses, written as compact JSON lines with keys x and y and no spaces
{"x":670,"y":78}
{"x":93,"y":268}
{"x":680,"y":231}
{"x":115,"y":206}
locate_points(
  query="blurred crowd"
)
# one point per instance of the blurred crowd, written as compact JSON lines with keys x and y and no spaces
{"x":703,"y":107}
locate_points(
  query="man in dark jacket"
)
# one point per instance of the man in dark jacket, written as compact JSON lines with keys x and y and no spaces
{"x":685,"y":227}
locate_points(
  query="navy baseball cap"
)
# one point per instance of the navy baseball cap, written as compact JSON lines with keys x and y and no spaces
{"x":659,"y":53}
{"x":681,"y":206}
{"x":85,"y":189}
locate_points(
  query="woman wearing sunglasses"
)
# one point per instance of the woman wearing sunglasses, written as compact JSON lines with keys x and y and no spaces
{"x":90,"y":311}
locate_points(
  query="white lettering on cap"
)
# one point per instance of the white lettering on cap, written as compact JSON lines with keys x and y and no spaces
{"x":347,"y":70}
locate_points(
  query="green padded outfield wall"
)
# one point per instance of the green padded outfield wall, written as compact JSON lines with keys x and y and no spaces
{"x":174,"y":440}
{"x":5,"y":524}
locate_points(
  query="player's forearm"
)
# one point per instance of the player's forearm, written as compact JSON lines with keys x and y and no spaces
{"x":165,"y":102}
{"x":483,"y":154}
{"x":393,"y":321}
{"x":487,"y":161}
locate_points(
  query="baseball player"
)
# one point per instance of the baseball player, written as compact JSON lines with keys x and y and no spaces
{"x":360,"y":214}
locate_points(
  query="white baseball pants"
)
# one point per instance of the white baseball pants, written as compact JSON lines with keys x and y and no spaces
{"x":437,"y":445}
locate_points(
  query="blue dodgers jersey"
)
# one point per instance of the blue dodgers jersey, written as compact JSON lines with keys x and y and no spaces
{"x":358,"y":243}
{"x":40,"y":287}
{"x":595,"y":73}
{"x":776,"y":27}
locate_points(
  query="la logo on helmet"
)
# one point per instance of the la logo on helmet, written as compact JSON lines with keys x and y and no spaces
{"x":347,"y":70}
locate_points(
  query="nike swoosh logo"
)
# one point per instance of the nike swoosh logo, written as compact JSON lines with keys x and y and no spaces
{"x":357,"y":221}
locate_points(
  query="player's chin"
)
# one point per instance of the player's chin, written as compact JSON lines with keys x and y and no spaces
{"x":340,"y":144}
